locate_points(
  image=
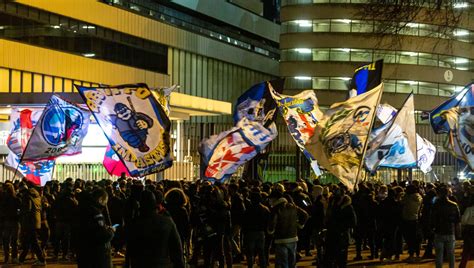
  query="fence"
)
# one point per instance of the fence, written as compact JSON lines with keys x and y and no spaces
{"x":96,"y":171}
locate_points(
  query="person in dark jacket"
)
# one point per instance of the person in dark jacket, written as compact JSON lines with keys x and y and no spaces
{"x":153,"y":240}
{"x":176,"y":202}
{"x":390,"y":213}
{"x":30,"y":212}
{"x":94,"y":249}
{"x":10,"y":207}
{"x":254,"y":225}
{"x":286,"y":219}
{"x":66,"y":209}
{"x":425,"y":218}
{"x":340,"y":218}
{"x":217,"y":244}
{"x":445,"y":217}
{"x":365,"y":208}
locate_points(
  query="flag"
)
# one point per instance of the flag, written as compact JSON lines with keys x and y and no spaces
{"x":162,"y":95}
{"x":426,"y":152}
{"x":23,"y":123}
{"x":37,"y":172}
{"x":301,"y":114}
{"x":367,"y":77}
{"x":385,"y":113}
{"x":463,"y":98}
{"x":113,"y":164}
{"x":135,"y":124}
{"x":340,"y":138}
{"x":256,"y":104}
{"x":395,"y":144}
{"x":222,"y":154}
{"x":461,"y":134}
{"x":59,"y":131}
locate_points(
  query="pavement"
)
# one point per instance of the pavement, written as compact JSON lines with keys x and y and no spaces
{"x":304,"y":262}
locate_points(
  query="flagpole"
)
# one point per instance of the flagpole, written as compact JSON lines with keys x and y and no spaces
{"x":368,"y":134}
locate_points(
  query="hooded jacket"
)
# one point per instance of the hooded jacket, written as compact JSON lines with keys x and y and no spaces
{"x":285,"y":220}
{"x":31,"y":209}
{"x":411,"y":206}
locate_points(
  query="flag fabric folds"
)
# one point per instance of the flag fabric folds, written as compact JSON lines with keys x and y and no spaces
{"x":256,"y":104}
{"x":464,"y":98}
{"x":461,"y":135}
{"x":340,"y":138}
{"x":23,"y":123}
{"x":60,"y":131}
{"x":301,"y":114}
{"x":135,"y":124}
{"x":113,"y":164}
{"x":222,"y":154}
{"x":367,"y":77}
{"x":426,"y":152}
{"x":394,"y":145}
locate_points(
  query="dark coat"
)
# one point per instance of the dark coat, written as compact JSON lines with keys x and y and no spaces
{"x":285,"y":221}
{"x":256,"y":218}
{"x":95,"y":236}
{"x":154,"y":242}
{"x":341,"y":217}
{"x":10,"y":208}
{"x":31,"y":210}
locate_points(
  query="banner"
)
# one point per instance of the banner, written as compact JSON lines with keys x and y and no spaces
{"x":301,"y":114}
{"x":135,"y":124}
{"x":256,"y":104}
{"x":395,"y":145}
{"x":340,"y":138}
{"x":22,"y":125}
{"x":385,"y":113}
{"x":222,"y":154}
{"x":461,"y":134}
{"x":464,"y":98}
{"x":59,"y":131}
{"x":367,"y":77}
{"x":37,"y":172}
{"x":426,"y":153}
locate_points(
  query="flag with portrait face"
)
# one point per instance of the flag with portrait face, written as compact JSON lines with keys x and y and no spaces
{"x":134,"y":122}
{"x":339,"y":140}
{"x":301,"y":114}
{"x":256,"y":104}
{"x":223,"y":154}
{"x":60,"y":131}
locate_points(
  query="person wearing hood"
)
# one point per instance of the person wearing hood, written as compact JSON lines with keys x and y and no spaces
{"x":30,"y":214}
{"x":341,"y":218}
{"x":153,"y":239}
{"x":10,"y":206}
{"x":286,"y":218}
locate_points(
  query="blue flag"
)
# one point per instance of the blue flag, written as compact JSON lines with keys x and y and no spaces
{"x":464,"y":98}
{"x":59,"y":131}
{"x":136,"y":125}
{"x":367,"y":77}
{"x":256,"y":104}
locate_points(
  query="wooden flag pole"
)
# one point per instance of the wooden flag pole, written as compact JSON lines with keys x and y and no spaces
{"x":368,"y":134}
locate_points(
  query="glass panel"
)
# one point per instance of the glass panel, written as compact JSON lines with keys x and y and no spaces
{"x":428,"y":88}
{"x":361,"y":55}
{"x":4,"y":80}
{"x":446,"y":90}
{"x":339,"y":83}
{"x":428,"y":59}
{"x":407,"y":58}
{"x":407,"y":86}
{"x":321,"y":26}
{"x":362,"y":26}
{"x":338,"y":26}
{"x":321,"y":83}
{"x":389,"y":86}
{"x":320,"y":54}
{"x":339,"y":54}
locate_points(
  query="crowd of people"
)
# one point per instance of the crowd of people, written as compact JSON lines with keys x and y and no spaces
{"x":175,"y":224}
